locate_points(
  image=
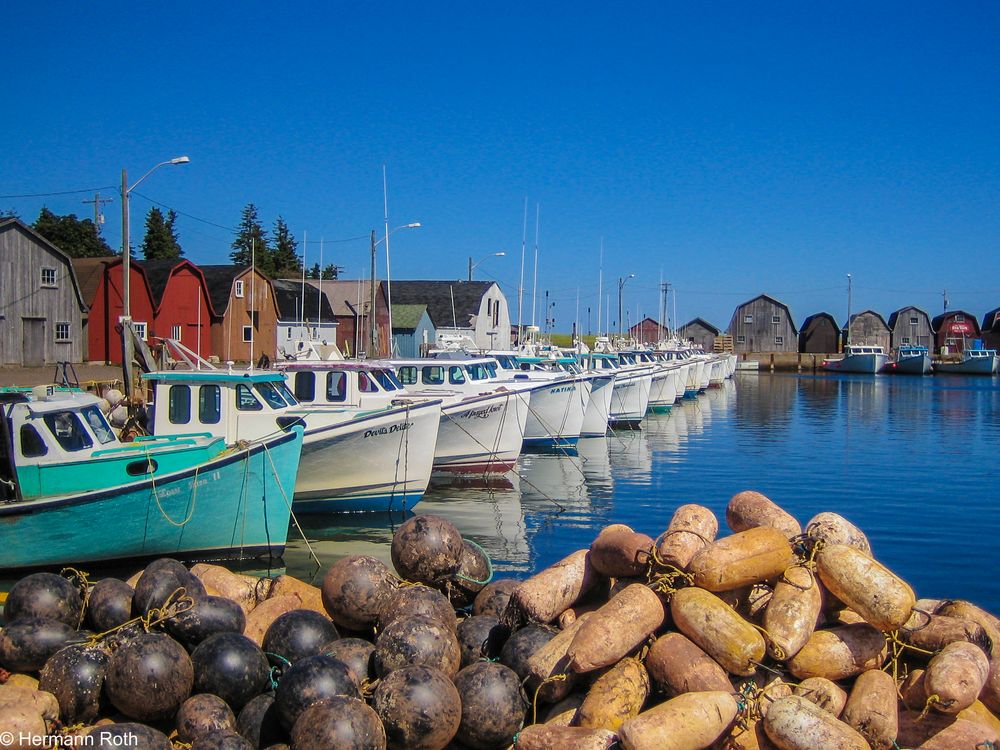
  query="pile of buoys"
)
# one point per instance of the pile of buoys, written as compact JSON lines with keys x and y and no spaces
{"x":774,"y":637}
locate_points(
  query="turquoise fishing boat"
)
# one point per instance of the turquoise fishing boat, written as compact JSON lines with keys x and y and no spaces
{"x":71,"y":492}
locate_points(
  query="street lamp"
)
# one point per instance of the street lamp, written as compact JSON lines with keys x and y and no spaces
{"x":126,"y":250}
{"x":388,"y":289}
{"x":621,"y":283}
{"x":473,"y":266}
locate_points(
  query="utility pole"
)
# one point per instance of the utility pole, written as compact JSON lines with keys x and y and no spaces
{"x":97,"y":200}
{"x":944,"y":296}
{"x":664,"y":291}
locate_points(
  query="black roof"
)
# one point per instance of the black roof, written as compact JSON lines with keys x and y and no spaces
{"x":157,"y":274}
{"x":219,"y":280}
{"x":991,"y":320}
{"x":818,"y":316}
{"x":703,"y":323}
{"x":287,"y":296}
{"x":437,"y":295}
{"x":939,"y":319}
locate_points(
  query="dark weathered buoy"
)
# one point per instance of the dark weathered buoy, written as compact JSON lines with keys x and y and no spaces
{"x":109,"y":604}
{"x":296,"y":635}
{"x":44,"y":595}
{"x":493,"y":708}
{"x":259,"y":722}
{"x":356,"y":654}
{"x":221,"y":740}
{"x":419,"y":708}
{"x":416,"y":600}
{"x":209,"y":615}
{"x":75,"y":676}
{"x":353,"y":590}
{"x":232,"y":667}
{"x":492,"y":600}
{"x":161,"y":580}
{"x":474,"y":572}
{"x":521,"y":645}
{"x":149,"y":677}
{"x":309,"y":681}
{"x":481,"y":637}
{"x":342,"y":723}
{"x":26,"y":644}
{"x":427,"y":549}
{"x":128,"y":734}
{"x":417,"y":640}
{"x":201,"y":714}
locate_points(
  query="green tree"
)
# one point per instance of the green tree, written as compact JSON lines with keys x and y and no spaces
{"x":313,"y":273}
{"x":160,"y":242}
{"x":78,"y":238}
{"x":251,"y":241}
{"x":330,"y":272}
{"x":285,"y":260}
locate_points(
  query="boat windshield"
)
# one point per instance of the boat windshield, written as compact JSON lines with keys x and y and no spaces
{"x":270,"y":394}
{"x":477,"y":371}
{"x":98,"y":424}
{"x":68,"y":431}
{"x":506,"y":362}
{"x":387,"y":380}
{"x":286,"y":393}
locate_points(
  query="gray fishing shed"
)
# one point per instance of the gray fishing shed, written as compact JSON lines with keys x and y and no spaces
{"x":763,"y":324}
{"x":910,"y":326}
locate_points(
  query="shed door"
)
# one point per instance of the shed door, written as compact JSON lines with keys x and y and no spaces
{"x":33,"y":341}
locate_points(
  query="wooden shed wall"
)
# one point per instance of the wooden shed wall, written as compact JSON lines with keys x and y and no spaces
{"x":408,"y":344}
{"x":868,"y":328}
{"x":227,"y":332}
{"x":699,"y":334}
{"x":912,"y":326}
{"x":29,"y":312}
{"x":761,"y":333}
{"x":820,"y":336}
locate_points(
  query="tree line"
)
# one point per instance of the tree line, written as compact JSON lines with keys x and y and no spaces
{"x":274,"y":253}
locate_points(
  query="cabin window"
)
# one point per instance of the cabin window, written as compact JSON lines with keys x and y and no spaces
{"x":247,"y":334}
{"x":366,"y":384}
{"x":491,"y":369}
{"x":748,"y":318}
{"x":455,"y":375}
{"x":775,"y":318}
{"x":238,"y":288}
{"x":270,"y":394}
{"x":48,"y":277}
{"x":140,"y":330}
{"x":779,"y":340}
{"x":179,"y":404}
{"x":32,"y":444}
{"x":245,"y":400}
{"x":98,"y":424}
{"x":913,"y":321}
{"x":305,"y":386}
{"x":62,"y":332}
{"x":477,"y":371}
{"x":281,"y":388}
{"x":432,"y":375}
{"x":175,"y":332}
{"x":68,"y":431}
{"x":408,"y":375}
{"x":289,"y":334}
{"x":209,"y":404}
{"x":741,"y":339}
{"x":336,"y":386}
{"x":387,"y":380}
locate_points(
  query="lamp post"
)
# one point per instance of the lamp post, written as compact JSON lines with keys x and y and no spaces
{"x":473,"y":266}
{"x":621,"y":283}
{"x":388,"y":294}
{"x":126,"y":250}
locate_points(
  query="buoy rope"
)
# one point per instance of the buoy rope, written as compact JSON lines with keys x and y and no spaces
{"x":986,"y":745}
{"x":489,"y":567}
{"x":156,"y":495}
{"x":176,"y":604}
{"x":276,"y":671}
{"x":934,"y":700}
{"x":812,"y":578}
{"x":288,"y":504}
{"x":897,"y":647}
{"x":84,"y":584}
{"x":778,"y":651}
{"x":368,"y":687}
{"x":562,"y":677}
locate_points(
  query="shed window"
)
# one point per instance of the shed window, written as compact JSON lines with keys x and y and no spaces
{"x":779,"y":340}
{"x":906,"y":339}
{"x":175,"y":332}
{"x":289,"y":335}
{"x":432,"y":375}
{"x":741,"y":339}
{"x":305,"y":386}
{"x":245,"y":400}
{"x":238,"y":288}
{"x":179,"y":404}
{"x":209,"y":404}
{"x":489,"y":306}
{"x":66,"y":427}
{"x":748,"y":318}
{"x":455,"y":375}
{"x":62,"y":332}
{"x":32,"y":444}
{"x":775,"y":318}
{"x":959,"y":318}
{"x":247,"y":334}
{"x":407,"y":375}
{"x":48,"y":277}
{"x":913,"y":321}
{"x":336,"y":386}
{"x":140,"y":330}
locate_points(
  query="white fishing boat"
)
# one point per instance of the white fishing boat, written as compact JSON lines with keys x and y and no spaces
{"x":909,"y":360}
{"x":858,"y":358}
{"x":630,"y":390}
{"x":974,"y":362}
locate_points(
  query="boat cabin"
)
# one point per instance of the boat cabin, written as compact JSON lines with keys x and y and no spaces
{"x":340,"y":384}
{"x":599,"y":362}
{"x":465,"y":376}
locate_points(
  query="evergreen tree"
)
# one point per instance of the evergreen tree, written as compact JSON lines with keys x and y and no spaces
{"x":313,"y":273}
{"x":78,"y":238}
{"x":251,"y":240}
{"x":161,"y":242}
{"x":330,"y":272}
{"x":285,"y":260}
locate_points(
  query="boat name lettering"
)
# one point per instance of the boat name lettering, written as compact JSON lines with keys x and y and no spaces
{"x":388,"y":430}
{"x":562,"y":389}
{"x":483,"y":413}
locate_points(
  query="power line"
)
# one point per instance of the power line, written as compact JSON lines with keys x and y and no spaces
{"x":182,"y":213}
{"x":62,"y":192}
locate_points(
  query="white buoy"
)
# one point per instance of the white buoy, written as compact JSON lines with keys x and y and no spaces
{"x":114,"y":396}
{"x":118,"y":416}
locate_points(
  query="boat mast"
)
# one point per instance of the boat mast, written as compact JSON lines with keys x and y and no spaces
{"x":600,"y":287}
{"x":534,"y":287}
{"x":520,"y":286}
{"x":848,"y":310}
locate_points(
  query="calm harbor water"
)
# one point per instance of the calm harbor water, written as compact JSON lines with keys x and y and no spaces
{"x":912,"y":461}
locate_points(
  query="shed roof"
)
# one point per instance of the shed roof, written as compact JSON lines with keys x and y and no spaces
{"x":158,"y":273}
{"x":406,"y":318}
{"x":703,"y":323}
{"x":288,"y":295}
{"x":777,"y":303}
{"x":88,"y":275}
{"x":870,"y":312}
{"x":991,"y":320}
{"x":219,"y":280}
{"x":940,"y":319}
{"x":820,"y":316}
{"x":342,"y":294}
{"x":903,"y":311}
{"x":438,"y":295}
{"x":12,"y":222}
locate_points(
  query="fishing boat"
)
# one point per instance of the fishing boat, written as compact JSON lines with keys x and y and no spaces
{"x":352,"y":459}
{"x":663,"y":384}
{"x":974,"y":362}
{"x":859,"y":358}
{"x":71,"y":491}
{"x":909,"y":360}
{"x":629,"y":391}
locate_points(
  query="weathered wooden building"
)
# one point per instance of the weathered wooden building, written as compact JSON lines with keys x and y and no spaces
{"x":298,"y":321}
{"x":475,"y":309}
{"x":820,"y":334}
{"x":101,"y":285}
{"x":42,"y":311}
{"x":246,"y":322}
{"x":868,"y":327}
{"x":183,"y":307}
{"x":954,"y":331}
{"x":350,"y":303}
{"x":763,"y":324}
{"x":990,"y":331}
{"x":910,"y":326}
{"x":412,"y":330}
{"x":699,"y":332}
{"x":648,"y":331}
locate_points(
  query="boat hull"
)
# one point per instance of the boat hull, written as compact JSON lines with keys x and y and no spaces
{"x":662,"y":391}
{"x":630,"y":399}
{"x":482,"y":434}
{"x":865,"y":364}
{"x":555,"y":414}
{"x":595,"y":419}
{"x":376,"y":462}
{"x":234,"y":506}
{"x":916,"y":365}
{"x":977,"y":366}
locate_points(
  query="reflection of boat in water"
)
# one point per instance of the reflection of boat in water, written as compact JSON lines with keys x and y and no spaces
{"x":596,"y":464}
{"x":721,"y":399}
{"x":629,"y":455}
{"x":547,"y":477}
{"x":667,"y":432}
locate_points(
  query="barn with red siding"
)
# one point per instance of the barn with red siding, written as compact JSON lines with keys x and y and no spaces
{"x":183,"y":304}
{"x":955,"y":330}
{"x":101,"y":285}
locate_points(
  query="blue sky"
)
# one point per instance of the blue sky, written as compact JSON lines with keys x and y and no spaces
{"x":741,"y":148}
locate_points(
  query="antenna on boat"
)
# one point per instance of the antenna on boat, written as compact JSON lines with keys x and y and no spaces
{"x":849,"y":289}
{"x":534,"y":287}
{"x":302,"y":310}
{"x":253,"y":274}
{"x":600,"y":286}
{"x":520,"y":286}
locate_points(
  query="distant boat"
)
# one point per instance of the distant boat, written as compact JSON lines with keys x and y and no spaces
{"x":974,"y":362}
{"x":72,"y":493}
{"x":859,"y":358}
{"x":910,"y":360}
